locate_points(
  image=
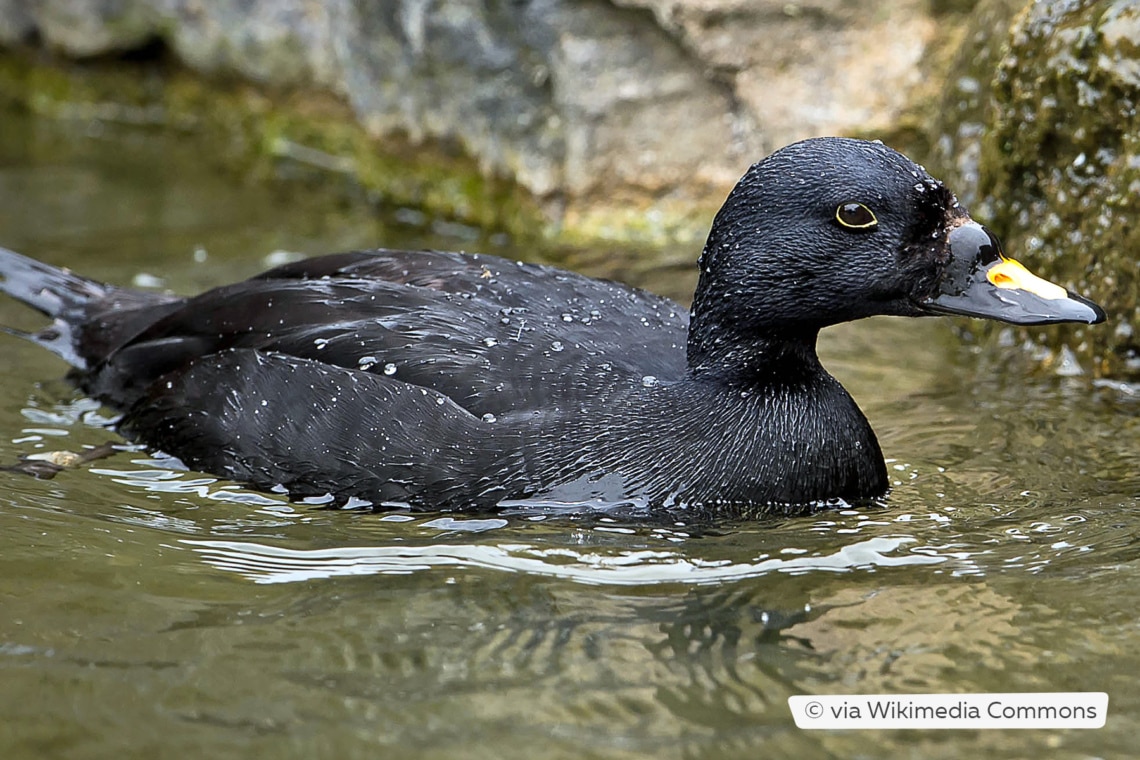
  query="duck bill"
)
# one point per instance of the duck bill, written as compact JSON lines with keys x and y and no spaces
{"x":980,"y":281}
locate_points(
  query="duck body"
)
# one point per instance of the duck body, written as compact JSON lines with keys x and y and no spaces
{"x":445,"y":381}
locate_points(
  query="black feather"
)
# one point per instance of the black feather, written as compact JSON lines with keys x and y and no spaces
{"x":453,"y":381}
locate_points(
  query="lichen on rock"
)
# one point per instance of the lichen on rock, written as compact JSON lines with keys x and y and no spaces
{"x":1060,"y":165}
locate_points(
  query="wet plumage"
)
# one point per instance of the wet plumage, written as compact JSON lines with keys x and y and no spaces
{"x":448,"y":381}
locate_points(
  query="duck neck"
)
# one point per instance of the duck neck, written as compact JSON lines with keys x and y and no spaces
{"x":744,"y":335}
{"x":805,"y":431}
{"x":785,"y":357}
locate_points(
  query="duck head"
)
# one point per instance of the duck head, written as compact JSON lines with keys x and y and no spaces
{"x":832,"y":229}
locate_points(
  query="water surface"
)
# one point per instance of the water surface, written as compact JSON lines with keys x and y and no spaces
{"x":149,"y":611}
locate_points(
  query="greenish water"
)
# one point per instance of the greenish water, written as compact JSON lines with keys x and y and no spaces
{"x":150,"y":612}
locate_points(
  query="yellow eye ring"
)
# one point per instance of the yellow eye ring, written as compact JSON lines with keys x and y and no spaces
{"x":855,"y":216}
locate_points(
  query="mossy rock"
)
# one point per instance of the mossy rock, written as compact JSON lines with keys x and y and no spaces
{"x":251,"y":131}
{"x":1059,"y":169}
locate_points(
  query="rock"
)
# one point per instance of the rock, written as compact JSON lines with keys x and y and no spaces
{"x":806,"y":68}
{"x":77,"y":27}
{"x":1057,"y":163}
{"x":16,"y":21}
{"x":962,"y":104}
{"x":605,"y":110}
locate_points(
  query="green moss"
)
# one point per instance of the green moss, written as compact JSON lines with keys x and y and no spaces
{"x":254,"y":132}
{"x":1035,"y":128}
{"x":1061,"y":166}
{"x":251,"y":132}
{"x":944,"y":126}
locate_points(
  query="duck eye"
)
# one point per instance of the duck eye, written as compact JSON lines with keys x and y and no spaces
{"x":855,"y":216}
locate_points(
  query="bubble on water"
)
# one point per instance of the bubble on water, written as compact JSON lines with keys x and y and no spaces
{"x":649,"y":381}
{"x":488,"y":417}
{"x":556,"y":346}
{"x":144,"y":280}
{"x":389,"y":368}
{"x":1068,"y":365}
{"x":489,"y":342}
{"x":367,"y":362}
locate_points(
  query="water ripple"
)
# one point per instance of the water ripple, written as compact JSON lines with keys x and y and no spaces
{"x":263,"y":563}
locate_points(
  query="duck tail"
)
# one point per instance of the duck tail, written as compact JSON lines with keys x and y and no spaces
{"x":47,"y":289}
{"x":58,"y":293}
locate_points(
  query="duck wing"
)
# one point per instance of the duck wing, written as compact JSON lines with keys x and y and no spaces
{"x":494,"y":336}
{"x":278,"y":421}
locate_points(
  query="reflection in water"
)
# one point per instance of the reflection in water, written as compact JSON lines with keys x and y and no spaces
{"x":270,"y":564}
{"x":973,"y":540}
{"x":162,"y":480}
